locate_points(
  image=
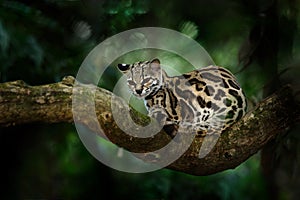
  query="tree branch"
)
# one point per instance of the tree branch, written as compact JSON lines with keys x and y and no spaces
{"x":52,"y":103}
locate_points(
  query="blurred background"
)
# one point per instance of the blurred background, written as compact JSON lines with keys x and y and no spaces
{"x":42,"y":41}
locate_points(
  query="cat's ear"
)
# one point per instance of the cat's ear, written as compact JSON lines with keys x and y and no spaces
{"x":123,"y":67}
{"x":155,"y":64}
{"x":155,"y":60}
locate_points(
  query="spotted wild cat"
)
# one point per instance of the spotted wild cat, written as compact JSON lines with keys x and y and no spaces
{"x":204,"y":101}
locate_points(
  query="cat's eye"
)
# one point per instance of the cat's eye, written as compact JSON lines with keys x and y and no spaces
{"x":146,"y":80}
{"x":123,"y":67}
{"x":131,"y":82}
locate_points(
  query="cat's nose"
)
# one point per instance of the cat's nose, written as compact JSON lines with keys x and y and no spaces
{"x":139,"y":91}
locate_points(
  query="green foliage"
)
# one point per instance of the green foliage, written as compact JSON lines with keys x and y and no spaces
{"x":245,"y":182}
{"x":122,"y":13}
{"x":37,"y":45}
{"x":42,"y":41}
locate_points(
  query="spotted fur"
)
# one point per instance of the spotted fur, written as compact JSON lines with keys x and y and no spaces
{"x":206,"y":100}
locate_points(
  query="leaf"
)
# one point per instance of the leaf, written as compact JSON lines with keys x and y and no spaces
{"x":190,"y":29}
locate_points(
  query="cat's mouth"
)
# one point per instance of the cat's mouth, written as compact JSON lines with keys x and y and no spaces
{"x":140,"y":96}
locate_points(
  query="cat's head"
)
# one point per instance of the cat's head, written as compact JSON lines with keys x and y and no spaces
{"x":143,"y":78}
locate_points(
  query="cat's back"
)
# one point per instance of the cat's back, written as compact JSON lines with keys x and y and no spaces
{"x":213,"y":90}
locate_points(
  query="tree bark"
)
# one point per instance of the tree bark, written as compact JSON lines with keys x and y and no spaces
{"x":52,"y":103}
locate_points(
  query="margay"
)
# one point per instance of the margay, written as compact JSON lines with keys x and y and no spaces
{"x":205,"y":101}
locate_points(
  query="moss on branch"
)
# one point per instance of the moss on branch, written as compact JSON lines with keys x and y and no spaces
{"x":52,"y":103}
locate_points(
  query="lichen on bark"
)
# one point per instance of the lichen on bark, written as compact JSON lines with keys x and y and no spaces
{"x":52,"y":103}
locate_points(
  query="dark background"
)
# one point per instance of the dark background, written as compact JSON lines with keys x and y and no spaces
{"x":42,"y":41}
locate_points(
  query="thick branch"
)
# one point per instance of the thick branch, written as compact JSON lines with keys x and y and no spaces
{"x":20,"y":103}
